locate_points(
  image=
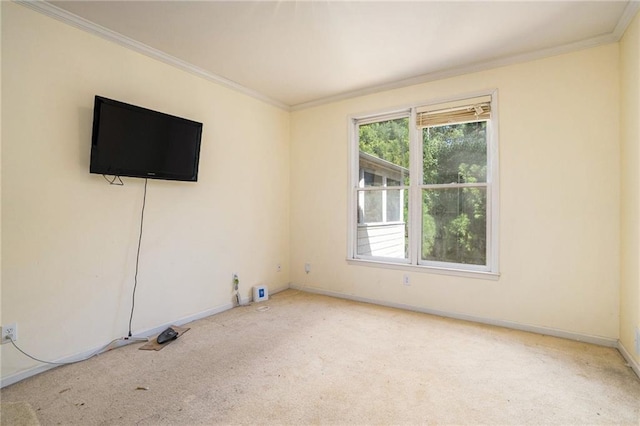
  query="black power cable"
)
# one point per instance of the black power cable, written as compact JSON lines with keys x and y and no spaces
{"x":135,"y":278}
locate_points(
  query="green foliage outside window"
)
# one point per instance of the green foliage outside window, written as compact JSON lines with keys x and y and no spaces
{"x":387,"y":140}
{"x":453,"y":219}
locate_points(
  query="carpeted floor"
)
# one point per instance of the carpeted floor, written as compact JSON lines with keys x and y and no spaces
{"x":312,"y":359}
{"x":18,"y":414}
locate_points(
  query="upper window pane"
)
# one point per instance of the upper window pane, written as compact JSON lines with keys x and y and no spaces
{"x":384,"y":151}
{"x":455,"y":153}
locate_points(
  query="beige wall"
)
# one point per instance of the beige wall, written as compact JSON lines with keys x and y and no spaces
{"x":69,"y":239}
{"x":630,"y":184}
{"x":559,"y":198}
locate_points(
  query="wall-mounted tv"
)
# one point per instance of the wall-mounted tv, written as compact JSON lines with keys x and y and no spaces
{"x":132,"y":141}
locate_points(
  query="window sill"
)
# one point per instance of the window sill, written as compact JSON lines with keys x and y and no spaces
{"x":493,"y":276}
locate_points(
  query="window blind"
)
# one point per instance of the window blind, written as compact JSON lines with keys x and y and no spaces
{"x":465,"y":110}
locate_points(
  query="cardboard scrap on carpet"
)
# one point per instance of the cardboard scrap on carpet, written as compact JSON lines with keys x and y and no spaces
{"x":153,"y":345}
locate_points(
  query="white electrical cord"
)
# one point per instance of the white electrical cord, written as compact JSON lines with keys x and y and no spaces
{"x":97,"y":352}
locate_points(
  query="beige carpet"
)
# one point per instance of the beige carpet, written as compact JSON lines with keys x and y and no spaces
{"x":311,"y":359}
{"x":18,"y":414}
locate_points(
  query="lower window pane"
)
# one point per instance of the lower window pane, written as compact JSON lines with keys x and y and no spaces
{"x":382,"y":223}
{"x":394,"y":205}
{"x":454,"y":225}
{"x":372,"y":206}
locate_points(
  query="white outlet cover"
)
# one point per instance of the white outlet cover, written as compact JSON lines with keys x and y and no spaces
{"x":5,"y":329}
{"x":637,"y":340}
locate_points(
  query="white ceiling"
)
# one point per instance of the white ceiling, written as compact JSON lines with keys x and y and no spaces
{"x":299,"y":53}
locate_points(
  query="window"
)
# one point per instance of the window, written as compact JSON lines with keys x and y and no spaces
{"x":424,"y":187}
{"x":383,"y":177}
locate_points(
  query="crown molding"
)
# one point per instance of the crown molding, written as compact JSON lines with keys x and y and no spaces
{"x":632,"y":8}
{"x":630,"y":11}
{"x":625,"y":20}
{"x":55,"y":12}
{"x":465,"y":69}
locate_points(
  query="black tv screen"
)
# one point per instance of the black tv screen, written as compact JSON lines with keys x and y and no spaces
{"x":132,"y":141}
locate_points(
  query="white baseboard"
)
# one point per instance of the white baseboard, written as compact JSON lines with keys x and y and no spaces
{"x":137,"y":337}
{"x":602,"y":341}
{"x":14,"y":378}
{"x":597,"y":340}
{"x":272,"y":290}
{"x":279,"y":289}
{"x":184,"y":320}
{"x":635,"y":366}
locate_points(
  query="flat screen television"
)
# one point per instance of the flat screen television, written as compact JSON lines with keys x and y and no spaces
{"x":132,"y":141}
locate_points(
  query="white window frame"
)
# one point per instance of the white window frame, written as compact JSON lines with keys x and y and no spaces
{"x":488,"y":271}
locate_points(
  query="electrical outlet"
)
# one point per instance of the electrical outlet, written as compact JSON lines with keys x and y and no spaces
{"x":9,"y":332}
{"x":405,"y":279}
{"x":235,"y":280}
{"x":637,"y":340}
{"x":307,"y":267}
